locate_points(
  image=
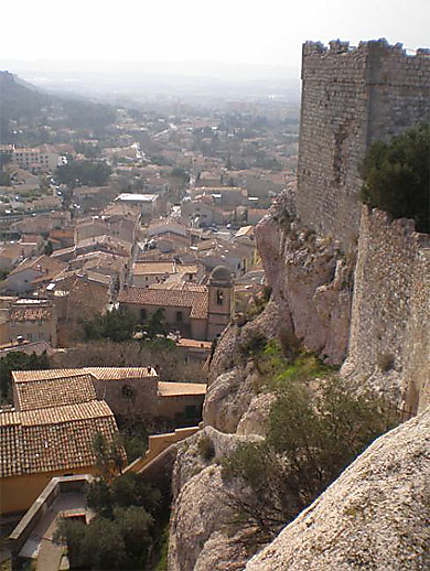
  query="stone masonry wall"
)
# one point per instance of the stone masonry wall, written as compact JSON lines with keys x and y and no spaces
{"x":350,"y":98}
{"x":389,"y":320}
{"x":416,"y":378}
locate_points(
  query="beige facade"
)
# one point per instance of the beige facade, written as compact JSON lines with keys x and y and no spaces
{"x":17,"y":493}
{"x":34,"y":320}
{"x":38,"y":159}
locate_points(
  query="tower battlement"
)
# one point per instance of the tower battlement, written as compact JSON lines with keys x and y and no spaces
{"x":351,"y":97}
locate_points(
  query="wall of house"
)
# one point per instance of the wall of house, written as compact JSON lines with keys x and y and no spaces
{"x":170,"y":316}
{"x":17,"y":493}
{"x":129,"y":397}
{"x":35,"y":330}
{"x":350,"y":98}
{"x":389,"y":335}
{"x":174,"y":406}
{"x":199,"y":329}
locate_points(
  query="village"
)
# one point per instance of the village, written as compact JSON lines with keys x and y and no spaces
{"x":126,"y":250}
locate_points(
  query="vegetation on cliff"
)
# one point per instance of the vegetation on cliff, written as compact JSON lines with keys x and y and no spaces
{"x":317,"y":426}
{"x":397,"y":176}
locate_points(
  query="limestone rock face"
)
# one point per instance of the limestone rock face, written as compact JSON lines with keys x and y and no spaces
{"x":233,"y":375}
{"x":226,"y":400}
{"x":199,"y":526}
{"x":254,"y":421}
{"x":311,"y":281}
{"x":374,"y":516}
{"x":197,"y":539}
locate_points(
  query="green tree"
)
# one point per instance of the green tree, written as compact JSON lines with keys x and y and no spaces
{"x":109,"y":459}
{"x":103,"y":545}
{"x":117,"y":325}
{"x":312,"y":437}
{"x":99,"y":497}
{"x":72,"y":533}
{"x":156,"y":324}
{"x":49,"y":248}
{"x":130,"y":515}
{"x":397,"y":176}
{"x":135,"y":525}
{"x":131,"y":489}
{"x":18,"y":361}
{"x":78,"y":173}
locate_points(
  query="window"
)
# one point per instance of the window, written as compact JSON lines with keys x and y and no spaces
{"x":219,"y":297}
{"x":128,"y":392}
{"x":179,"y":316}
{"x":143,"y":314}
{"x":191,"y":411}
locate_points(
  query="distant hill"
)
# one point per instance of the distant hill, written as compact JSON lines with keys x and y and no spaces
{"x":21,"y":101}
{"x":17,"y":99}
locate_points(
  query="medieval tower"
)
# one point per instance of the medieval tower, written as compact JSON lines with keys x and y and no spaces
{"x":221,"y":301}
{"x":351,"y":97}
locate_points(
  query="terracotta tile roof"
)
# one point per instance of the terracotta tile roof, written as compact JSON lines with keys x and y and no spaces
{"x":180,"y":286}
{"x":100,"y":373}
{"x":89,"y":295}
{"x":161,"y":267}
{"x":113,"y":373}
{"x":44,"y":264}
{"x":166,"y":389}
{"x":197,"y":301}
{"x":46,"y":393}
{"x":42,"y":374}
{"x":51,"y":439}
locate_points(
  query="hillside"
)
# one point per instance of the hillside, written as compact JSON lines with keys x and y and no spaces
{"x":28,"y":107}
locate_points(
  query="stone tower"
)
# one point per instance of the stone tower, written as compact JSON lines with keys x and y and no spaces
{"x":221,"y":300}
{"x":351,"y":97}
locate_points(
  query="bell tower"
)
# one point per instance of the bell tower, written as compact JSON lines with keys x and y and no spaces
{"x":220,"y":302}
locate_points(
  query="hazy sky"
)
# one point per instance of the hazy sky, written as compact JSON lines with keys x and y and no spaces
{"x":234,"y":31}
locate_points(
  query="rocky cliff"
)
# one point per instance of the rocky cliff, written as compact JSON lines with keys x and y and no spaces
{"x":317,"y":291}
{"x":311,"y":280}
{"x":375,"y":516}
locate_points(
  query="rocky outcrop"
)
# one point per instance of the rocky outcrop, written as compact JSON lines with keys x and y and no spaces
{"x":200,"y":525}
{"x":370,"y":515}
{"x":198,"y":535}
{"x":374,"y":516}
{"x":233,"y":376}
{"x":311,"y":280}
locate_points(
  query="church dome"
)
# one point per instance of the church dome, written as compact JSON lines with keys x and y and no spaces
{"x":220,"y":276}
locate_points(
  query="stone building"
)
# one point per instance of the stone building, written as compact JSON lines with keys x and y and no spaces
{"x":46,"y":439}
{"x":351,"y":97}
{"x":195,"y":311}
{"x":220,"y":301}
{"x":57,"y":414}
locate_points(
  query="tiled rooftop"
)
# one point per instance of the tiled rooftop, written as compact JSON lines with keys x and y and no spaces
{"x":112,"y":373}
{"x":101,"y":373}
{"x":197,"y":301}
{"x":44,"y":264}
{"x":51,"y":439}
{"x":143,"y":268}
{"x":53,"y":392}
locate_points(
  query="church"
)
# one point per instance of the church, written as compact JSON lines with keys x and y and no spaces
{"x":196,"y":311}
